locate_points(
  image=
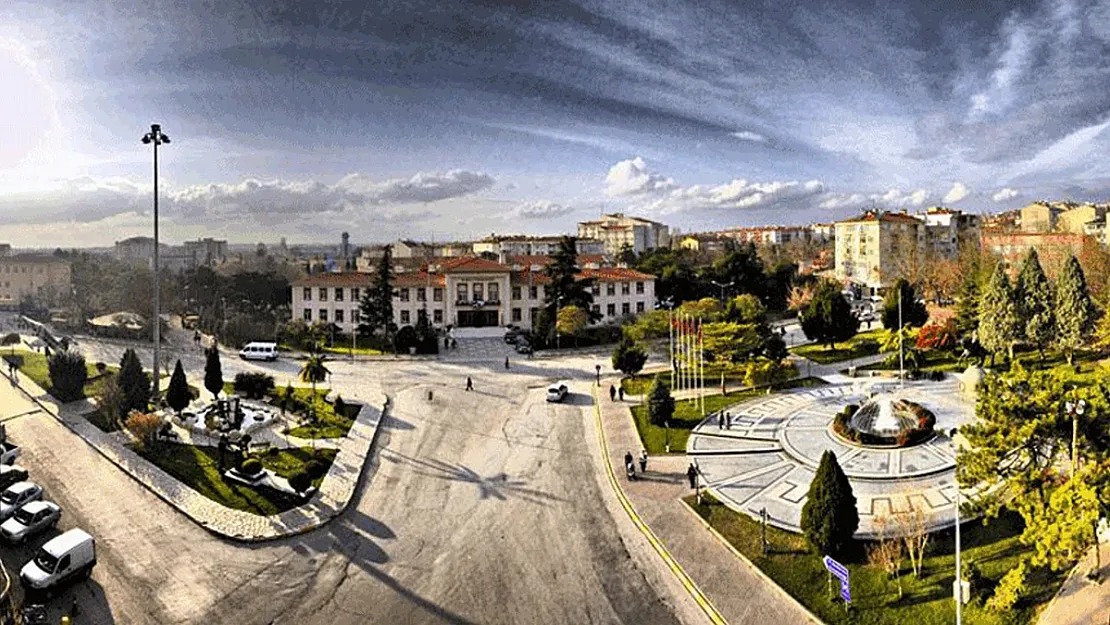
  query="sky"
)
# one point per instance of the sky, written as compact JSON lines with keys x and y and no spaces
{"x":453,"y":120}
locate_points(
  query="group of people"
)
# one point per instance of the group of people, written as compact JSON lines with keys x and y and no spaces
{"x":630,"y":465}
{"x":724,"y":420}
{"x":614,"y":392}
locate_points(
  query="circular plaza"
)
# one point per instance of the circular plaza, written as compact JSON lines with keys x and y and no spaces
{"x":767,"y":456}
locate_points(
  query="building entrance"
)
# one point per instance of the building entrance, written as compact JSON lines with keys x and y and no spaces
{"x":477,"y":318}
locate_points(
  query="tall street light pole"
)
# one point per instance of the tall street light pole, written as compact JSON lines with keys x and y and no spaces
{"x":723,"y":286}
{"x":156,"y":137}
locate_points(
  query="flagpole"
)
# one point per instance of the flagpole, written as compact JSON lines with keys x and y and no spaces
{"x":670,"y":343}
{"x":701,"y":367}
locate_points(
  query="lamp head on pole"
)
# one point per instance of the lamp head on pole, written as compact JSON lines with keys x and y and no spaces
{"x":155,"y":136}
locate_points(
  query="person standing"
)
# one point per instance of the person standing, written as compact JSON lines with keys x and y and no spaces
{"x":628,"y":465}
{"x":620,"y":393}
{"x":643,"y":461}
{"x":612,"y":393}
{"x":506,"y":362}
{"x":721,"y":420}
{"x":469,"y":384}
{"x":692,"y":475}
{"x":728,"y":420}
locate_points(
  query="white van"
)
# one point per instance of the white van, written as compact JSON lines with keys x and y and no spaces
{"x":257,"y":350}
{"x":62,"y":558}
{"x":557,"y":391}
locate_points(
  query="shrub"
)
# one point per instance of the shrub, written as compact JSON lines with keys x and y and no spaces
{"x":134,"y":383}
{"x":101,"y":368}
{"x":250,"y":466}
{"x":300,"y":481}
{"x":143,"y":426}
{"x":406,"y":338}
{"x":253,"y":385}
{"x":67,"y":375}
{"x":1009,"y":590}
{"x":315,"y":469}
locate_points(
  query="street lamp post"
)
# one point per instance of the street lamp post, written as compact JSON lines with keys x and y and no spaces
{"x":723,"y":286}
{"x":558,"y":336}
{"x":1075,"y":410}
{"x":156,"y":137}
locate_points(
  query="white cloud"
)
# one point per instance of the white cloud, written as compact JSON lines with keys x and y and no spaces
{"x":1004,"y":194}
{"x":747,"y":135}
{"x":892,"y":198}
{"x":631,"y":177}
{"x":422,"y":187}
{"x":541,"y":209}
{"x":958,"y":192}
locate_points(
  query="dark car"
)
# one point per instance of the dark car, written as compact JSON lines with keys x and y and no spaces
{"x":511,"y":337}
{"x":10,"y":474}
{"x":523,"y":347}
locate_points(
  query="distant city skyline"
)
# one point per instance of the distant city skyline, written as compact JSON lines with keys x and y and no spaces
{"x":423,"y":119}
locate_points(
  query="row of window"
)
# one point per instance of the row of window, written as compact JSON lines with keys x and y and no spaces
{"x":610,"y":310}
{"x":340,"y":316}
{"x":465,"y":291}
{"x":18,"y":269}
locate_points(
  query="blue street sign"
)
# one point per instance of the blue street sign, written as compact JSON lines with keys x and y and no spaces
{"x":845,"y":592}
{"x":837,"y":569}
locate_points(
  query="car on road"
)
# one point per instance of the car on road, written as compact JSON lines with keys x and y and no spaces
{"x":10,"y":474}
{"x":259,"y":350}
{"x":557,"y":391}
{"x":523,"y":347}
{"x":62,"y":558}
{"x":9,"y":451}
{"x":29,"y":520}
{"x":513,"y":335}
{"x":16,"y":495}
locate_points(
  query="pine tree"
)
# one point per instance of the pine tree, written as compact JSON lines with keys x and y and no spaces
{"x":565,"y":288}
{"x":967,"y":303}
{"x":1075,"y":314}
{"x":177,"y":395}
{"x":1034,"y":298}
{"x":376,"y":307}
{"x":828,"y":318}
{"x":213,"y":373}
{"x":629,"y":357}
{"x":999,"y":324}
{"x":660,"y":402}
{"x":914,"y":313}
{"x":133,"y":383}
{"x":829,"y":516}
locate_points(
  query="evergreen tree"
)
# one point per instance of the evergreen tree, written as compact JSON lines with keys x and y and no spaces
{"x":914,"y":313}
{"x":376,"y":307}
{"x":177,"y":396}
{"x":629,"y":357}
{"x":133,"y":383}
{"x":68,"y":374}
{"x":660,"y":403}
{"x":967,"y":303}
{"x":1075,"y":314}
{"x":566,"y":289}
{"x":1034,"y":297}
{"x":213,"y":373}
{"x":999,"y":323}
{"x":829,"y":516}
{"x":828,"y":318}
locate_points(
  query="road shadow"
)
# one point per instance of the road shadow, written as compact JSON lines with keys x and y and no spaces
{"x":83,"y":602}
{"x":389,"y":421}
{"x":499,"y":486}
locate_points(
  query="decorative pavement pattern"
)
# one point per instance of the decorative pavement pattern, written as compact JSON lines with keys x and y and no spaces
{"x":768,"y":457}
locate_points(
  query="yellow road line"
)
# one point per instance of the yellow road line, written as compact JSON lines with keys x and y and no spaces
{"x":703,"y":602}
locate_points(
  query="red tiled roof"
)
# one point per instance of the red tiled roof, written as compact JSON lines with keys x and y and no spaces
{"x":614,"y":274}
{"x":883,"y":216}
{"x":349,"y":278}
{"x":472,"y":264}
{"x":418,"y":279}
{"x":528,"y":278}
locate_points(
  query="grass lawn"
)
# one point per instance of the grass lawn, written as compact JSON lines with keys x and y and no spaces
{"x":638,"y":384}
{"x":35,"y":367}
{"x":933,"y":360}
{"x":847,"y":350}
{"x":337,"y":349}
{"x":994,"y":548}
{"x":654,"y":438}
{"x":1087,"y":363}
{"x":196,"y":467}
{"x":329,"y":424}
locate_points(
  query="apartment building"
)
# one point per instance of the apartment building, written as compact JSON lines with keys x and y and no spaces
{"x":524,"y":245}
{"x":617,"y":230}
{"x":207,"y":251}
{"x":878,"y":247}
{"x":776,"y":235}
{"x":43,"y":277}
{"x":469,"y":292}
{"x":1053,"y":248}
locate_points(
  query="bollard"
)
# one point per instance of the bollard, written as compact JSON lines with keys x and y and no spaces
{"x":429,"y":395}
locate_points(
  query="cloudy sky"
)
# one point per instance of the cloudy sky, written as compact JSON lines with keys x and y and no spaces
{"x":456,"y":119}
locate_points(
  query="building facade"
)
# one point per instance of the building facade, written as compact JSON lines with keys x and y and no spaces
{"x":468,"y":292}
{"x":523,"y":245}
{"x":206,"y":251}
{"x":617,"y":230}
{"x":1053,"y":248}
{"x":44,"y":278}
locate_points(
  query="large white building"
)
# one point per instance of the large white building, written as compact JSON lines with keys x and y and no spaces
{"x":524,"y":245}
{"x":468,"y":292}
{"x":617,"y":230}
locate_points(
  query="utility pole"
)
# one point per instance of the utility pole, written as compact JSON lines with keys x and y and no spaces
{"x":901,"y":337}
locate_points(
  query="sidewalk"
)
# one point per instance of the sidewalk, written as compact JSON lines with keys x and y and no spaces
{"x":739,"y":593}
{"x":1079,"y":601}
{"x":331,"y":500}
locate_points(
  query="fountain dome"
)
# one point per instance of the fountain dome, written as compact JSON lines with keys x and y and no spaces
{"x":886,"y":419}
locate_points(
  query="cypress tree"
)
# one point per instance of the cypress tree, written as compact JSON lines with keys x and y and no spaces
{"x":1034,"y":298}
{"x":999,"y":323}
{"x":914,"y":313}
{"x":967,"y":303}
{"x":1075,"y":314}
{"x":829,"y":516}
{"x":177,"y":395}
{"x":133,"y":383}
{"x":565,"y":288}
{"x":213,"y":373}
{"x":660,"y":402}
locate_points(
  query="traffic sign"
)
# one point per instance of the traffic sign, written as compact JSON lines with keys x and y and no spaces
{"x":837,"y":569}
{"x":845,"y":592}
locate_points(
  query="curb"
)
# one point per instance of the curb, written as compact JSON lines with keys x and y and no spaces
{"x":703,"y":602}
{"x":236,"y":537}
{"x":743,"y":558}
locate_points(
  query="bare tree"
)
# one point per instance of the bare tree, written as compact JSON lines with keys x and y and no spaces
{"x":887,"y":553}
{"x":913,"y":527}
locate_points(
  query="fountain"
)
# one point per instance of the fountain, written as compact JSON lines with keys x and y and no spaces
{"x":885,"y":420}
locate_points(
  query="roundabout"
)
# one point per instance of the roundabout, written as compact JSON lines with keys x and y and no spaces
{"x":884,"y":442}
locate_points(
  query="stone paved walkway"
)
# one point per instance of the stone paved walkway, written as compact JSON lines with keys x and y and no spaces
{"x":1080,"y":601}
{"x":334,"y":494}
{"x":739,"y":591}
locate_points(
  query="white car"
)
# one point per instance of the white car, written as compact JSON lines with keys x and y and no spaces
{"x":29,"y":520}
{"x":17,"y":495}
{"x":557,"y":391}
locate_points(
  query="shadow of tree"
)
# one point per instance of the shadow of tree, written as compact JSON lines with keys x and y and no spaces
{"x":496,"y":486}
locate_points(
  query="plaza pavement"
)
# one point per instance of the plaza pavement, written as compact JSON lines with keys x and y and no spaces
{"x":1079,"y":600}
{"x":330,"y":500}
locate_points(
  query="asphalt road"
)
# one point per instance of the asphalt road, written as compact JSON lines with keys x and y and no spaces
{"x":477,"y":507}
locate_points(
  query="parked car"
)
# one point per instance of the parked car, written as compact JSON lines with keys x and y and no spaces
{"x":62,"y":558}
{"x":259,"y":350}
{"x":16,"y":495}
{"x":9,"y":451}
{"x":557,"y":391}
{"x":522,"y":347}
{"x":10,"y":474}
{"x":29,"y":520}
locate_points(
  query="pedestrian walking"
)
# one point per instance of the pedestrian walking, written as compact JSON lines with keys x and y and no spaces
{"x":469,"y":384}
{"x":506,"y":362}
{"x":620,"y":392}
{"x":728,"y":420}
{"x":629,"y":467}
{"x":721,"y":420}
{"x":643,"y":461}
{"x":692,"y":475}
{"x":446,"y":342}
{"x":612,"y":393}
